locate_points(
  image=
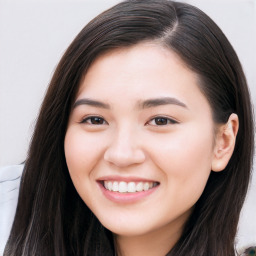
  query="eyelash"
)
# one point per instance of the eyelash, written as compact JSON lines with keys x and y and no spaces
{"x":85,"y":120}
{"x":100,"y":121}
{"x":167,"y":121}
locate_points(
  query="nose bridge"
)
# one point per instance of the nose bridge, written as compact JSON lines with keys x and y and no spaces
{"x":124,"y":148}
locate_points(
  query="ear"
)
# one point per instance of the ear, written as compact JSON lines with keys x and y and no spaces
{"x":225,"y":143}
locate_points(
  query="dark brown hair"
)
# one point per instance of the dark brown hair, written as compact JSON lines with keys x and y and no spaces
{"x":51,"y":218}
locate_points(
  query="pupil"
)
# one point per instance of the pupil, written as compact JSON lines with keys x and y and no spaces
{"x":161,"y":121}
{"x":97,"y":120}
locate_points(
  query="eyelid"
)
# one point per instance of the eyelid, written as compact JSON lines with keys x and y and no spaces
{"x":172,"y":121}
{"x":86,"y":118}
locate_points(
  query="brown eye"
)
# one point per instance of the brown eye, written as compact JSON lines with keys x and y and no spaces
{"x":161,"y":121}
{"x":94,"y":120}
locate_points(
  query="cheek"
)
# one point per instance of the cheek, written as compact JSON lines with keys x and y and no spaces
{"x":185,"y":161}
{"x":182,"y":150}
{"x":82,"y":154}
{"x":81,"y":151}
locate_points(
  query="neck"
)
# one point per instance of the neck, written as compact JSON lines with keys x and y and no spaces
{"x":155,"y":243}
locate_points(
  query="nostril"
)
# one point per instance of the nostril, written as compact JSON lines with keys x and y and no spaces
{"x":124,"y":158}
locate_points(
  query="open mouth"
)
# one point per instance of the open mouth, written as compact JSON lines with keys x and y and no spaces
{"x":128,"y":187}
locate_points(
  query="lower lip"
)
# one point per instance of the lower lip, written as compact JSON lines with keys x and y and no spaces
{"x":118,"y":197}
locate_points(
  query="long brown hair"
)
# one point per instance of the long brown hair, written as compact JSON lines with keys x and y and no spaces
{"x":51,"y":218}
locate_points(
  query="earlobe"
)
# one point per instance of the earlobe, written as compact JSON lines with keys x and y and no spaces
{"x":225,"y":143}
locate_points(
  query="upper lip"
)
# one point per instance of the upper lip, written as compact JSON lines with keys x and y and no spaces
{"x":126,"y":179}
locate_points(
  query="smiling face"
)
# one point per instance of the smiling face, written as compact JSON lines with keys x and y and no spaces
{"x":140,"y":140}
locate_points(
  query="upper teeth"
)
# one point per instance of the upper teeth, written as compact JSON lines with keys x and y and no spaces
{"x":131,"y":187}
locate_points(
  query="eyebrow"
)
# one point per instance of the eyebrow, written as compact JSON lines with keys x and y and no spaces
{"x":94,"y":103}
{"x":161,"y":101}
{"x":142,"y":104}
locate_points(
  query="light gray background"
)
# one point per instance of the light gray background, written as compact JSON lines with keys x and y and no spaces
{"x":33,"y":36}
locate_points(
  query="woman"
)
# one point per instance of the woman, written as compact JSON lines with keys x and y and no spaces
{"x":144,"y":141}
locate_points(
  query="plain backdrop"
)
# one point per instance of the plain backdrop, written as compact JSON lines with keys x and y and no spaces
{"x":35,"y":34}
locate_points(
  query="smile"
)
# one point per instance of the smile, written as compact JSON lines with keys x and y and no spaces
{"x":129,"y":187}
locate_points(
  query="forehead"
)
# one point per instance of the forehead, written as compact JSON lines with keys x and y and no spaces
{"x":145,"y":70}
{"x":146,"y":57}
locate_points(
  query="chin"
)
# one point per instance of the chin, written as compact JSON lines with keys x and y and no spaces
{"x":128,"y":232}
{"x":128,"y":228}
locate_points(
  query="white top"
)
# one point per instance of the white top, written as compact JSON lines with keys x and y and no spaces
{"x":9,"y":191}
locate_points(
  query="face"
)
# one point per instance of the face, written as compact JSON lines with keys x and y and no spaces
{"x":139,"y":143}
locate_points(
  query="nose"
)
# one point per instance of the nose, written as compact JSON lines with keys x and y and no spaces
{"x":124,"y":150}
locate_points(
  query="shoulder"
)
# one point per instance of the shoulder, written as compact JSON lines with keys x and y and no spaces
{"x":10,"y":171}
{"x":9,"y":192}
{"x":9,"y":182}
